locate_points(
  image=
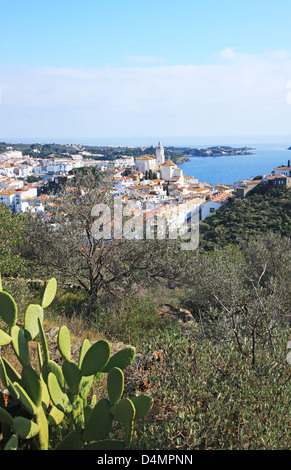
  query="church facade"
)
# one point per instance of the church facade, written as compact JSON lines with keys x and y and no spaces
{"x":165,"y":169}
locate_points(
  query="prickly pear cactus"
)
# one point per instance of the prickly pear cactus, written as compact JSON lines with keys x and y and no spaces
{"x":53,"y":393}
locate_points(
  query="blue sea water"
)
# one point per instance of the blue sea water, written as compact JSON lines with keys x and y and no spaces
{"x":230,"y":169}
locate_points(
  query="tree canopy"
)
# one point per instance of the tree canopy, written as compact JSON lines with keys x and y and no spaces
{"x":65,"y":245}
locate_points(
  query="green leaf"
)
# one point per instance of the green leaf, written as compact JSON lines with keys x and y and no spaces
{"x":49,"y":293}
{"x":8,"y":308}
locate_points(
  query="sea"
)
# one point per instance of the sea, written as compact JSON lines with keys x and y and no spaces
{"x":267,"y":152}
{"x":233,"y":168}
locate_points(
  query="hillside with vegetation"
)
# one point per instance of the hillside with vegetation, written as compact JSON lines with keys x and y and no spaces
{"x":210,"y":327}
{"x":262,"y":210}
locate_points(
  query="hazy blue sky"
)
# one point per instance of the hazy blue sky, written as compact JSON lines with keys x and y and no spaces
{"x":156,"y":68}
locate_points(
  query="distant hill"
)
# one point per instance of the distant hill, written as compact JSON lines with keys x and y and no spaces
{"x":262,"y":210}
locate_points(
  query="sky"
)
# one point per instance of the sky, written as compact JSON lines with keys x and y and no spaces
{"x":94,"y":70}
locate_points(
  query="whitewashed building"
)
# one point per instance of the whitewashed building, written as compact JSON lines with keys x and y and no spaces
{"x":165,"y":169}
{"x":7,"y":198}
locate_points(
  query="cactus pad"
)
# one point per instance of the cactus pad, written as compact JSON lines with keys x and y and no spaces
{"x":8,"y":308}
{"x":4,"y":338}
{"x":31,"y":382}
{"x":96,"y":358}
{"x":64,"y":343}
{"x":55,"y":416}
{"x":99,"y":423}
{"x":121,"y":359}
{"x":49,"y":293}
{"x":24,"y":399}
{"x":12,"y":443}
{"x":51,"y":392}
{"x":43,"y":429}
{"x":59,"y":397}
{"x":43,"y":341}
{"x":71,"y":442}
{"x":84,"y":348}
{"x":143,"y":405}
{"x":5,"y":417}
{"x":115,"y":385}
{"x":12,"y":373}
{"x":20,"y":345}
{"x":24,"y":428}
{"x":72,"y":375}
{"x":31,"y":329}
{"x":123,"y":411}
{"x":53,"y":367}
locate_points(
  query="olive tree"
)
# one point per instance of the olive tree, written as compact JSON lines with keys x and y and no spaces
{"x":64,"y":242}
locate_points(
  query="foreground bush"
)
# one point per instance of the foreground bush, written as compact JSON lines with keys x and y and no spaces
{"x":209,"y":396}
{"x":53,"y":393}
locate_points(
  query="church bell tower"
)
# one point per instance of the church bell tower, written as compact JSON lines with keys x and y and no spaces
{"x":160,"y":154}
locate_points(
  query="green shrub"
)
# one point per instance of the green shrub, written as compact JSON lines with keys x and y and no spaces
{"x":130,"y":319}
{"x":209,"y":396}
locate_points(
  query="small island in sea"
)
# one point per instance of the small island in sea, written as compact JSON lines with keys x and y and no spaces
{"x":217,"y":151}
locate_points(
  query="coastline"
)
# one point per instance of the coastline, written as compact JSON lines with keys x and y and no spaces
{"x":220,"y":155}
{"x":229,"y":170}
